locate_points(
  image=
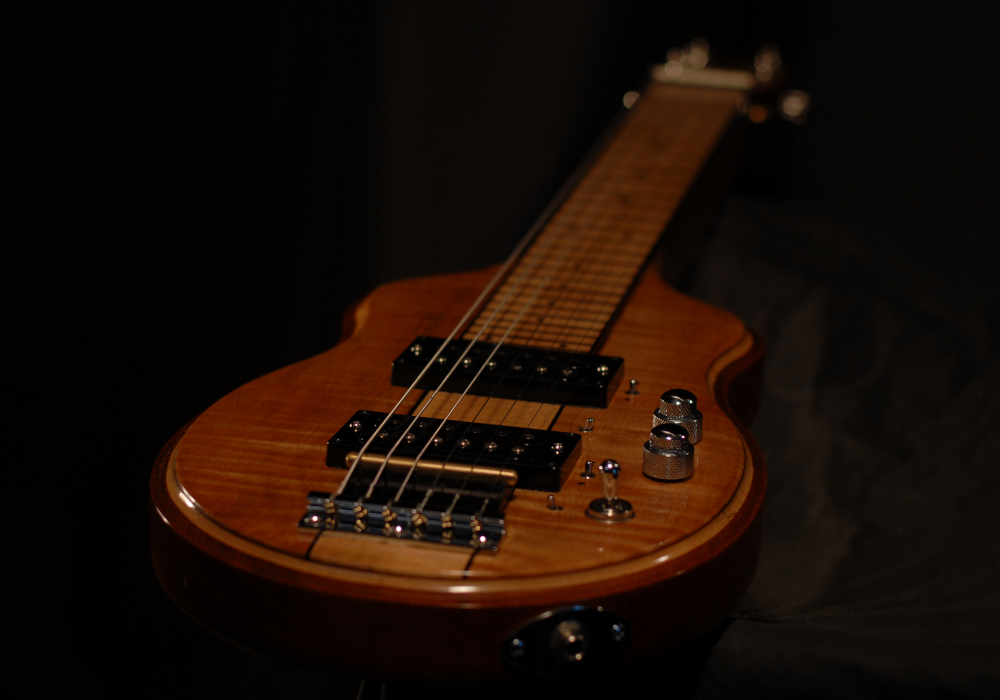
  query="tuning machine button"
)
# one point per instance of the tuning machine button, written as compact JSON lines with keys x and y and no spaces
{"x":668,"y":455}
{"x":680,"y":406}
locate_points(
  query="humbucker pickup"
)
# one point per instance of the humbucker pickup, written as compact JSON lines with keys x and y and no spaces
{"x":516,"y":372}
{"x":533,"y":459}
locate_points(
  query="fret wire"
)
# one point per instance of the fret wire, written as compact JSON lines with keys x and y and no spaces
{"x":511,"y":329}
{"x":567,"y":317}
{"x":547,"y":330}
{"x":631,"y":215}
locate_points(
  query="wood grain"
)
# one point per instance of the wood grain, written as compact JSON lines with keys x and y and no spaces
{"x":228,"y":491}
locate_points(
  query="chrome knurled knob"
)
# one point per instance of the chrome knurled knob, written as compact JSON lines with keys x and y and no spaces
{"x":681,"y":407}
{"x":668,"y":455}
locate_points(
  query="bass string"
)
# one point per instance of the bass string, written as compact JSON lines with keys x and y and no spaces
{"x":490,"y":286}
{"x":539,"y":257}
{"x":592,"y":156}
{"x":581,"y":192}
{"x":371,"y":487}
{"x":650,"y":170}
{"x":562,"y":328}
{"x":540,"y":287}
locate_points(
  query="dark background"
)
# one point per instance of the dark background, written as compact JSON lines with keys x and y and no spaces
{"x":197,"y":194}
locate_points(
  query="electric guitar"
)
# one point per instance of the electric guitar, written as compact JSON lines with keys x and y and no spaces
{"x":536,"y":470}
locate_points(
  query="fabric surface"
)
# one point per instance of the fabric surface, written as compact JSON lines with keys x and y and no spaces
{"x":879,"y":418}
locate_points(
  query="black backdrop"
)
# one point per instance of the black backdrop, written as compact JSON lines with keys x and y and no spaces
{"x":198,"y":193}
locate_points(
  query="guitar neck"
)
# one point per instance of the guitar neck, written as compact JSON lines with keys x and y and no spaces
{"x":570,"y":282}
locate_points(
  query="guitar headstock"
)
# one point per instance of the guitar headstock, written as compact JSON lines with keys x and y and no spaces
{"x":763,"y":81}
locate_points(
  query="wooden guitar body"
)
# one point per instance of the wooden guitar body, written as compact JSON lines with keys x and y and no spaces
{"x":229,"y":490}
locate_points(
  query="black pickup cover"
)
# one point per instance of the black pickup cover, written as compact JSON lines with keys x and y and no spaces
{"x":516,"y":372}
{"x":539,"y":457}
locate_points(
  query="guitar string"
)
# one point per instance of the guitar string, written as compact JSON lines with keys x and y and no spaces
{"x":634,"y":269}
{"x":465,"y":391}
{"x":462,"y":323}
{"x":571,"y":314}
{"x":594,"y":230}
{"x":539,"y":256}
{"x":469,"y":472}
{"x":563,"y":330}
{"x":455,"y":365}
{"x":569,"y":187}
{"x":515,"y":254}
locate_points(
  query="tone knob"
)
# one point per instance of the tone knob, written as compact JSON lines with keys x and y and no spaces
{"x":668,"y":455}
{"x":681,"y":407}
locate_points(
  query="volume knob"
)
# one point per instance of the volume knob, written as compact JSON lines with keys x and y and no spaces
{"x":668,"y":455}
{"x":680,"y":406}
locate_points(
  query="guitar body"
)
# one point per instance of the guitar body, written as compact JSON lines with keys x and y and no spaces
{"x":229,"y":490}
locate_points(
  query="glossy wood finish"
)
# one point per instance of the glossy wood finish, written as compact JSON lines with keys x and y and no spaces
{"x":228,"y":491}
{"x":566,"y":288}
